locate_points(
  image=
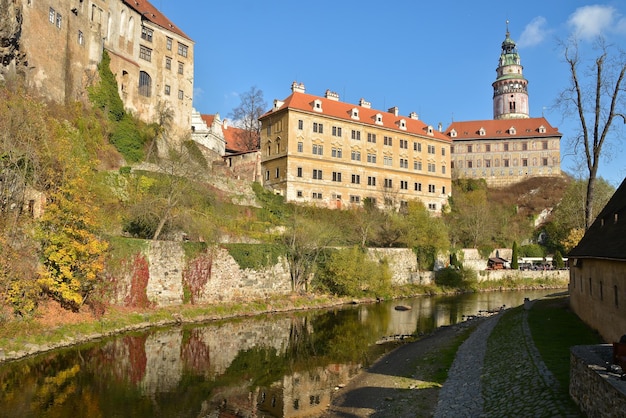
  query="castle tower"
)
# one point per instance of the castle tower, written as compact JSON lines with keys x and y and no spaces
{"x":510,"y":90}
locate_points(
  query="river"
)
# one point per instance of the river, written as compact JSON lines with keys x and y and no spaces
{"x":275,"y":365}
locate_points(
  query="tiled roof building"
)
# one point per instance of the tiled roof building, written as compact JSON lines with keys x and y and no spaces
{"x":512,"y":146}
{"x":335,"y":154}
{"x":597,"y":285}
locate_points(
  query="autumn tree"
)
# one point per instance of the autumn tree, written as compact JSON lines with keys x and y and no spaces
{"x":595,"y":96}
{"x":246,"y":116}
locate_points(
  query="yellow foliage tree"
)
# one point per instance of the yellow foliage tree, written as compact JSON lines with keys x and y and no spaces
{"x":72,"y":254}
{"x":573,"y":238}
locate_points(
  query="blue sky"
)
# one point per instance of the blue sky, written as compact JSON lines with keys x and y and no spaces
{"x":436,"y":58}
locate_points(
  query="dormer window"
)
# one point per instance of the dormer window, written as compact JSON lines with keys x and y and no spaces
{"x":317,"y":105}
{"x":378,"y":119}
{"x":481,"y":132}
{"x":429,"y":130}
{"x":354,"y":113}
{"x":512,"y":130}
{"x":453,"y":133}
{"x":542,"y":129}
{"x":402,"y":124}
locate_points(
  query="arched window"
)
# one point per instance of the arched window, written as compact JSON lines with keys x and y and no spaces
{"x":123,"y":23}
{"x":131,"y":27}
{"x":145,"y":84}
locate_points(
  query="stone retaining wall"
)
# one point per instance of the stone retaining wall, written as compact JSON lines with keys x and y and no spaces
{"x":597,"y":391}
{"x":489,"y":275}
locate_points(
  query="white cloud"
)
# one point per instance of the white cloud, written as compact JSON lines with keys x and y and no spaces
{"x":590,"y":21}
{"x":534,"y":33}
{"x":621,"y":26}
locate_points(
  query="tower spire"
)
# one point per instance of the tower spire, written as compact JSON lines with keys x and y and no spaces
{"x":510,"y":92}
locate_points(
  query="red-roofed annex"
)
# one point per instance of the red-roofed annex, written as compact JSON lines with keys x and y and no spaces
{"x":320,"y":150}
{"x":513,"y":146}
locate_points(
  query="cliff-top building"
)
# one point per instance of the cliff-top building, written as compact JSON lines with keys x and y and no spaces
{"x":335,"y":154}
{"x":513,"y":146}
{"x":55,"y":47}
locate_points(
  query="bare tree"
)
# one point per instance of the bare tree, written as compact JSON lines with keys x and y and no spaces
{"x":596,"y":97}
{"x":246,"y":116}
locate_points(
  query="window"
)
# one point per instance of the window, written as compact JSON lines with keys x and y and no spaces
{"x":506,"y":146}
{"x":388,"y":161}
{"x":337,"y":131}
{"x":299,"y":172}
{"x":417,"y":165}
{"x":59,"y":20}
{"x":52,"y":15}
{"x":317,"y":174}
{"x":81,"y":38}
{"x":417,"y":146}
{"x":487,"y":147}
{"x":387,"y":141}
{"x":167,"y":90}
{"x":487,"y":163}
{"x":443,"y":151}
{"x":388,"y":183}
{"x":524,"y":146}
{"x":145,"y":84}
{"x":371,"y":138}
{"x":354,"y":199}
{"x":300,"y":146}
{"x":443,"y":189}
{"x":505,"y":162}
{"x":356,"y":179}
{"x":317,"y":195}
{"x":404,"y":144}
{"x":404,"y":163}
{"x":371,"y":181}
{"x":443,"y":169}
{"x":168,"y":43}
{"x":277,"y":172}
{"x":145,"y":53}
{"x":336,"y":153}
{"x":318,"y":149}
{"x":524,"y":162}
{"x":469,"y":148}
{"x":432,"y":206}
{"x":431,"y":188}
{"x":267,"y":174}
{"x":431,"y":168}
{"x":544,"y":145}
{"x":355,"y":155}
{"x":168,"y":63}
{"x":299,"y":193}
{"x":404,"y":185}
{"x":181,"y":68}
{"x":182,"y":49}
{"x":371,"y":158}
{"x":337,"y":176}
{"x":146,"y":33}
{"x":431,"y":149}
{"x":470,"y":164}
{"x":300,"y":124}
{"x":318,"y":127}
{"x":356,"y":135}
{"x":418,"y":187}
{"x":181,"y":94}
{"x":544,"y":162}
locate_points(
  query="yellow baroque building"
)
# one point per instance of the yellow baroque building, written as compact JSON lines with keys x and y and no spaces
{"x":322,"y":151}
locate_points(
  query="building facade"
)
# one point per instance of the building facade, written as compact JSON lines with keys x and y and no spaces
{"x":597,"y":287}
{"x":326,"y":152}
{"x":56,"y":45}
{"x":513,"y":146}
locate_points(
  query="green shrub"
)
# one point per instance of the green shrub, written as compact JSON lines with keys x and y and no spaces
{"x":459,"y":278}
{"x":531,"y":250}
{"x":255,"y":256}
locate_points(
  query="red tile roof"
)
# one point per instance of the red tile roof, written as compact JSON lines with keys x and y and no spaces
{"x":151,"y":13}
{"x":232,"y":135}
{"x":501,"y":129}
{"x":208,"y":119}
{"x":343,"y":110}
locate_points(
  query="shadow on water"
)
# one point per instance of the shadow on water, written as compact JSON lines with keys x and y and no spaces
{"x":277,"y":365}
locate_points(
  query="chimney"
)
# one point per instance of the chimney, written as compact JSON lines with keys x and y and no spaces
{"x":225,"y":124}
{"x":364,"y":103}
{"x":331,"y":95}
{"x":297,"y":88}
{"x":413,"y":116}
{"x":394,"y":110}
{"x":440,"y":127}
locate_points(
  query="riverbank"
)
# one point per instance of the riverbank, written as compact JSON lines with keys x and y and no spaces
{"x":55,"y":327}
{"x":484,"y":367}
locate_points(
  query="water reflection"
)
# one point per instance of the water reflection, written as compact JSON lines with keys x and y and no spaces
{"x":268,"y":366}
